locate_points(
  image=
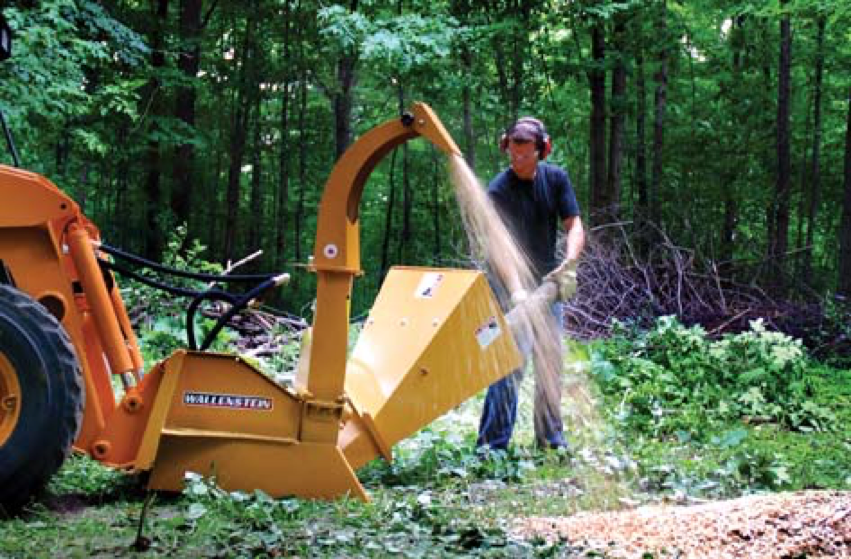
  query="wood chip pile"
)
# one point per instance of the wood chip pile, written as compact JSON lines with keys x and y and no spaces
{"x":808,"y":524}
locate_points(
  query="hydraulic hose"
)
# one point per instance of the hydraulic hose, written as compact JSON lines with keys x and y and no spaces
{"x":224,"y":278}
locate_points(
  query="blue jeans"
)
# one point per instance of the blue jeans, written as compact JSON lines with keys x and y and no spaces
{"x":500,"y":411}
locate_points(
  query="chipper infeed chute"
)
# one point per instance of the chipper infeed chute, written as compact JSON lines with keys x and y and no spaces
{"x":433,"y":338}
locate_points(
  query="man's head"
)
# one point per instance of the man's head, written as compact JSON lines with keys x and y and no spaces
{"x":526,"y":142}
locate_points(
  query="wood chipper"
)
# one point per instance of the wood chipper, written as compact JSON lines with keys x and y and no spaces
{"x":433,"y":338}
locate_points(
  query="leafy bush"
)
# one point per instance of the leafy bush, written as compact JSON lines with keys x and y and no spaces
{"x":673,"y":379}
{"x":433,"y":458}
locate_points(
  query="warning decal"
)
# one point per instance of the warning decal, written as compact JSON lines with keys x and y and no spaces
{"x":232,"y":401}
{"x":428,"y":285}
{"x":488,"y":332}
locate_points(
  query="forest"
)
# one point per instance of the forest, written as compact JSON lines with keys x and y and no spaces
{"x":707,"y":368}
{"x":724,"y":125}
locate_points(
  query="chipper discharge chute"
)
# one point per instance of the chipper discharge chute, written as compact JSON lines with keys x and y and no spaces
{"x":434,"y":337}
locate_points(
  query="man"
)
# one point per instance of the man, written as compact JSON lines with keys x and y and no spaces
{"x":533,"y":197}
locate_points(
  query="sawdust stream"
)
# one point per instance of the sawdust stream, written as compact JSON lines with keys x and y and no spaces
{"x":532,"y":321}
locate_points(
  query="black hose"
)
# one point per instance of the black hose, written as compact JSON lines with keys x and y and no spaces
{"x":224,"y":278}
{"x":171,"y":289}
{"x":211,"y":295}
{"x":237,"y":302}
{"x":241,"y":303}
{"x":197,"y":296}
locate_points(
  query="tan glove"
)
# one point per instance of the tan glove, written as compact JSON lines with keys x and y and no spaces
{"x":564,"y":277}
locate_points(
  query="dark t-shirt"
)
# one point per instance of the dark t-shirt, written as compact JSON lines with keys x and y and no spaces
{"x":533,"y":209}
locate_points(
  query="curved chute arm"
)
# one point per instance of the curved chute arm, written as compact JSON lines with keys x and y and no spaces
{"x":337,"y":235}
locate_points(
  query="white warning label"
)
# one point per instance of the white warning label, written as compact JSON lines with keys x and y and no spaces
{"x":428,"y":285}
{"x":488,"y":332}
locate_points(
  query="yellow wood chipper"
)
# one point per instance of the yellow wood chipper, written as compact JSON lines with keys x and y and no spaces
{"x":433,"y":338}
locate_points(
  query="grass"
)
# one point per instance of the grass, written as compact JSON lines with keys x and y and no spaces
{"x":439,"y":498}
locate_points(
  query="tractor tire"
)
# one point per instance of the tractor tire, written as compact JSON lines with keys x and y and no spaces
{"x":41,"y":398}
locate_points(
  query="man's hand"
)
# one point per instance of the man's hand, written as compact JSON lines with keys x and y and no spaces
{"x":564,"y":277}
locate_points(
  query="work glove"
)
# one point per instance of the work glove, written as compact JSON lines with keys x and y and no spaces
{"x":518,"y":297}
{"x":564,"y":278}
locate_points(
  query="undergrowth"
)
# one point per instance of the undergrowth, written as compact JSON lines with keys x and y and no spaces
{"x":679,"y":417}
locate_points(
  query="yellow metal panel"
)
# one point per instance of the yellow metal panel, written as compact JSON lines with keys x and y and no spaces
{"x":30,"y":199}
{"x":161,"y":403}
{"x":230,"y":435}
{"x":310,"y":470}
{"x":218,"y":392}
{"x":208,"y":397}
{"x":434,"y":338}
{"x":330,"y":340}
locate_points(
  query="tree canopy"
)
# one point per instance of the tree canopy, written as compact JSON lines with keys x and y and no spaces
{"x":725,"y":124}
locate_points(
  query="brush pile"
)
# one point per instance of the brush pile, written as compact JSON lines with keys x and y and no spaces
{"x":621,"y":279}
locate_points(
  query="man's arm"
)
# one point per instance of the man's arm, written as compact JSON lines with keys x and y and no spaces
{"x":575,"y":237}
{"x":560,"y":284}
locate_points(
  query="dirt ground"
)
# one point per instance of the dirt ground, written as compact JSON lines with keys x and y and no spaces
{"x":784,"y":525}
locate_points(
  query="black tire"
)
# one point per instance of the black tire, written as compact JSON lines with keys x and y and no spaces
{"x":36,"y":352}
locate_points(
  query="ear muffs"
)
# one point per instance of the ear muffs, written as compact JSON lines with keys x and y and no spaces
{"x":546,"y":147}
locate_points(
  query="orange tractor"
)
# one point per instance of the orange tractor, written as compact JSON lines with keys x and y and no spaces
{"x":433,"y":338}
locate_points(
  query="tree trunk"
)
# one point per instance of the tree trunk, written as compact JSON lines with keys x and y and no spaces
{"x":188,"y":62}
{"x":778,"y":243}
{"x":257,"y":219}
{"x":153,"y":195}
{"x":469,"y":135}
{"x":460,"y":9}
{"x":302,"y":165}
{"x":660,"y":108}
{"x":239,"y":132}
{"x":407,"y":195}
{"x":282,"y":193}
{"x":388,"y":220}
{"x":435,"y":207}
{"x":502,"y":80}
{"x":344,"y":97}
{"x":844,"y":283}
{"x":519,"y":53}
{"x":641,"y":138}
{"x":815,"y":173}
{"x":731,"y":172}
{"x":597,"y":133}
{"x":616,"y":123}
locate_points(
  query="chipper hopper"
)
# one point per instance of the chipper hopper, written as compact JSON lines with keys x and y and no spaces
{"x":433,"y":338}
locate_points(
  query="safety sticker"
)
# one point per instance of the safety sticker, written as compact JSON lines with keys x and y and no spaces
{"x":488,"y":332}
{"x":428,"y":285}
{"x":231,"y":401}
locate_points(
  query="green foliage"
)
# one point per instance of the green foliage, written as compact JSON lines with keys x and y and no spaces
{"x":435,"y":458}
{"x":716,"y":418}
{"x":161,"y":317}
{"x":833,"y":337}
{"x":88,"y":479}
{"x":413,"y":523}
{"x":63,"y":69}
{"x":672,"y":379}
{"x":440,"y":498}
